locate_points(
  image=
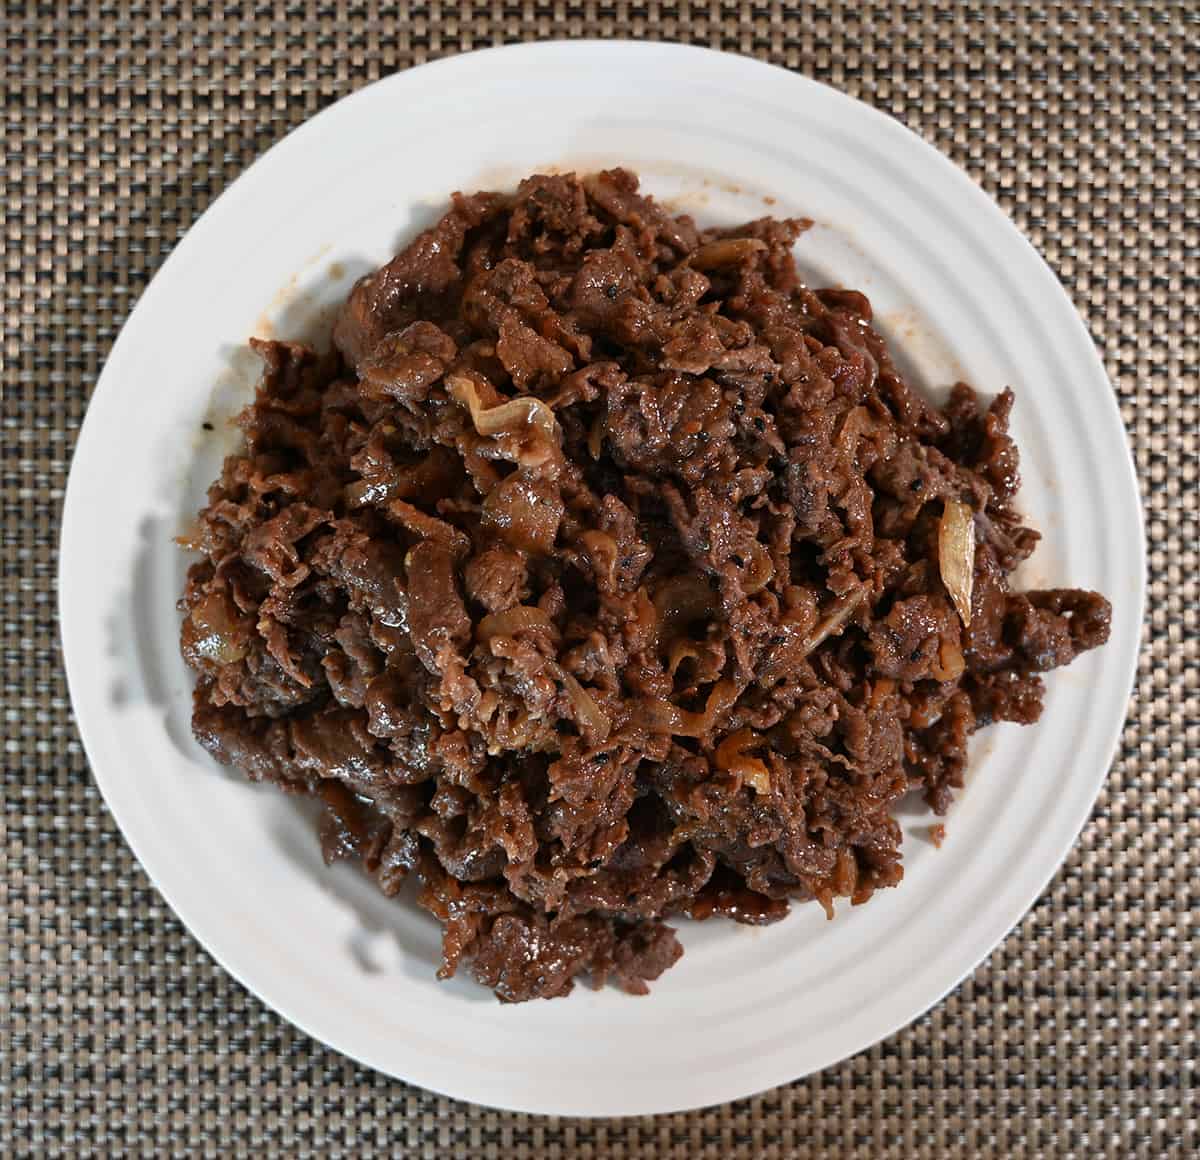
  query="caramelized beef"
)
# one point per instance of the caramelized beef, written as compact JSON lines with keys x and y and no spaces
{"x":605,"y":573}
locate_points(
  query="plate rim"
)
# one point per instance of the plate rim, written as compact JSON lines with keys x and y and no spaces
{"x":884,"y":123}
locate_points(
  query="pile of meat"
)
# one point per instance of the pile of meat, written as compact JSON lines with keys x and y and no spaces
{"x":604,"y":572}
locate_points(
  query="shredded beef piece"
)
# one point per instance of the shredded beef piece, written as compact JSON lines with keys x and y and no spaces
{"x":596,"y":579}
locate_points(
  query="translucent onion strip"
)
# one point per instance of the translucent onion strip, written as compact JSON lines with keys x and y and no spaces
{"x":956,"y":555}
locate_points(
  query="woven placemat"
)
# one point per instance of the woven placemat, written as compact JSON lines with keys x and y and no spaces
{"x":119,"y":1035}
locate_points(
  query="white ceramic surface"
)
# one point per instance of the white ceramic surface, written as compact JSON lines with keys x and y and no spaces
{"x":954,"y":286}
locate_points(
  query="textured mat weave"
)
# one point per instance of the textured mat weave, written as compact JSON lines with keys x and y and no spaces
{"x":118,"y":1035}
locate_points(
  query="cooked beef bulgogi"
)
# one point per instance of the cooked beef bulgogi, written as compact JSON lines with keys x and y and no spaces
{"x":605,"y":572}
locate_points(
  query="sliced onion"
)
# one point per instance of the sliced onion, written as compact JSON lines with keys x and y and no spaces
{"x":682,"y":650}
{"x":882,"y":690}
{"x":587,"y":712}
{"x":218,"y":630}
{"x":595,"y":439}
{"x":465,"y":392}
{"x":522,"y":618}
{"x":832,"y":622}
{"x":429,"y":527}
{"x":514,"y":417}
{"x":956,"y":555}
{"x":726,"y":252}
{"x":856,"y":422}
{"x":759,"y":570}
{"x":660,"y":716}
{"x":724,"y":694}
{"x":949,"y":665}
{"x":732,"y":758}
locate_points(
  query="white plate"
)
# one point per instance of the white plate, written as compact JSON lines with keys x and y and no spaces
{"x":954,"y":285}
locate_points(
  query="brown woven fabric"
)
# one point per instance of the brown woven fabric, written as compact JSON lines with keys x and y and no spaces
{"x":119,"y":1035}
